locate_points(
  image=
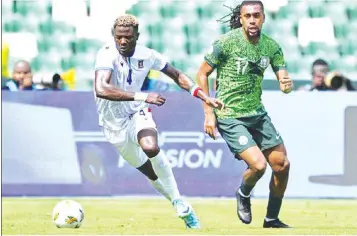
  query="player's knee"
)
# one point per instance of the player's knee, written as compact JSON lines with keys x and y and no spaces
{"x":151,"y":151}
{"x":282,"y":167}
{"x":259,"y":168}
{"x":286,"y":167}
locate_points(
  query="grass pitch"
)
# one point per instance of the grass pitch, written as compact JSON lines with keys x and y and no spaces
{"x":156,"y":216}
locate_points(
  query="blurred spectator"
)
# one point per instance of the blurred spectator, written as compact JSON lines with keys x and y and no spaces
{"x":21,"y":78}
{"x":324,"y":80}
{"x":319,"y":70}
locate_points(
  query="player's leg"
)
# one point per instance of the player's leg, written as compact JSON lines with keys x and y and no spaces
{"x":147,"y":138}
{"x":280,"y":165}
{"x":272,"y":145}
{"x":242,"y":144}
{"x":133,"y":154}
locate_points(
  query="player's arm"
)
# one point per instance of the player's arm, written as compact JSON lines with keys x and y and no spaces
{"x":210,"y":119}
{"x":285,"y":82}
{"x":189,"y":85}
{"x":212,"y":60}
{"x":182,"y":80}
{"x":279,"y":67}
{"x":104,"y":89}
{"x":202,"y":80}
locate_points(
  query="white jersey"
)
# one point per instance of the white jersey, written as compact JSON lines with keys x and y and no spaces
{"x":114,"y":115}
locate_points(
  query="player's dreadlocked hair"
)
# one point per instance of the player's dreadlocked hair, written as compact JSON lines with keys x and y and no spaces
{"x":126,"y":20}
{"x":234,"y":21}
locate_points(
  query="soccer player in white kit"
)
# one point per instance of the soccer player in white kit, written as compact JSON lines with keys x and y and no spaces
{"x":120,"y":70}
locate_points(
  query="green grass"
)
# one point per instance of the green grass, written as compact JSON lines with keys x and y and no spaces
{"x":156,"y":216}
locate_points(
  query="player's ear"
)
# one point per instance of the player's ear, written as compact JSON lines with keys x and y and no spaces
{"x":240,"y":20}
{"x":263,"y":18}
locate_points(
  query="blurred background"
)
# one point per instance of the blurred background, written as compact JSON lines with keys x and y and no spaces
{"x":62,"y":37}
{"x":52,"y":145}
{"x":50,"y":45}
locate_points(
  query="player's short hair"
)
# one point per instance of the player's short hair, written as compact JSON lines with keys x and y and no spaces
{"x":234,"y":20}
{"x":126,"y":21}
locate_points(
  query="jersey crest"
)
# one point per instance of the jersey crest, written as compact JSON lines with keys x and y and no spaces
{"x":264,"y":62}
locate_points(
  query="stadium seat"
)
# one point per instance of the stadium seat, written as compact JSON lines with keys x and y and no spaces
{"x":180,"y":64}
{"x":145,"y":8}
{"x":22,"y":45}
{"x":85,"y":60}
{"x":184,"y":11}
{"x":307,"y":31}
{"x":352,"y":10}
{"x":69,"y":12}
{"x":49,"y":62}
{"x":341,"y":30}
{"x":68,"y":63}
{"x":293,"y":11}
{"x":183,"y":32}
{"x":26,"y":8}
{"x":345,"y":64}
{"x":347,"y":47}
{"x":352,"y":26}
{"x":87,"y":45}
{"x":283,"y":26}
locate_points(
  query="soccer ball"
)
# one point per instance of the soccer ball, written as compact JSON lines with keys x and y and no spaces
{"x":68,"y":214}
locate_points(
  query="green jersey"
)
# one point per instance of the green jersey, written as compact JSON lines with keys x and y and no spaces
{"x":240,"y":67}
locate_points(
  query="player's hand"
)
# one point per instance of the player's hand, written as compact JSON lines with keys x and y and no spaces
{"x":156,"y":99}
{"x":212,"y":102}
{"x":210,"y":124}
{"x":286,"y":84}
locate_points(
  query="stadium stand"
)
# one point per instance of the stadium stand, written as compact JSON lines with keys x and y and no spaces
{"x":62,"y":35}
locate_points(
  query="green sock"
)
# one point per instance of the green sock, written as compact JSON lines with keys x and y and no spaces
{"x":274,"y":206}
{"x":246,"y":189}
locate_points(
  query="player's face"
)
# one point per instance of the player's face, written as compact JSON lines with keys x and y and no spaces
{"x":125,"y":38}
{"x":252,"y":19}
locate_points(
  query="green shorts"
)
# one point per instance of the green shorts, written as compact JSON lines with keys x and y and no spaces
{"x":243,"y":133}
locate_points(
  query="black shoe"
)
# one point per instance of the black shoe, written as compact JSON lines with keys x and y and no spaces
{"x":275,"y":224}
{"x":243,"y":208}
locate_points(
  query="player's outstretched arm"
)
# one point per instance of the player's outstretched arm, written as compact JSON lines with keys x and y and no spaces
{"x":103,"y":89}
{"x":189,"y":85}
{"x":210,"y":119}
{"x":285,"y":82}
{"x":202,"y":80}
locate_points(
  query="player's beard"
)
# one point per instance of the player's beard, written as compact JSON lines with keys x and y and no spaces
{"x":253,"y":37}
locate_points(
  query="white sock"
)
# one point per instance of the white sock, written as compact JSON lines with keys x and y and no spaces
{"x":163,"y":170}
{"x":240,"y":193}
{"x":160,"y":188}
{"x":268,"y":219}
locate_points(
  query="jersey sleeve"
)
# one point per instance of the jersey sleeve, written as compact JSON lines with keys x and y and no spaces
{"x":216,"y":56}
{"x":104,"y":60}
{"x":159,"y":61}
{"x":277,"y":60}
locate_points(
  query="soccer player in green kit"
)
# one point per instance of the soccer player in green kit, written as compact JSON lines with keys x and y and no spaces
{"x":241,"y":57}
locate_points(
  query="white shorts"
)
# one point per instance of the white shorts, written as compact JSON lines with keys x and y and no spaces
{"x":126,"y":140}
